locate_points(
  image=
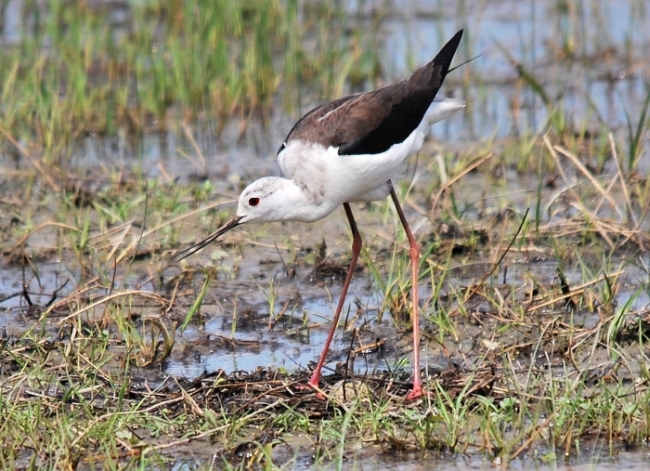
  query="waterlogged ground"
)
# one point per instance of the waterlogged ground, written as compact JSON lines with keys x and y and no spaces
{"x":531,"y":208}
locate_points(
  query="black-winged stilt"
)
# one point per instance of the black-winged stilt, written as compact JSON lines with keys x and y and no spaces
{"x":345,"y":151}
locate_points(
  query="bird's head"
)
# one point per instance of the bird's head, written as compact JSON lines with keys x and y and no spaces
{"x":265,"y":200}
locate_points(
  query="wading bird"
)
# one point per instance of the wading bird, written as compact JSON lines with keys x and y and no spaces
{"x":349,"y":150}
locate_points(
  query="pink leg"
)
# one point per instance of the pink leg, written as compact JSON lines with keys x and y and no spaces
{"x":356,"y":249}
{"x":414,"y":253}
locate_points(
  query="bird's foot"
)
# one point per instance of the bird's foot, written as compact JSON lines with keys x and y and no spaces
{"x":311,"y":387}
{"x":418,"y":393}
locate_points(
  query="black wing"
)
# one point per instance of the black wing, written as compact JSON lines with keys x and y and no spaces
{"x":372,"y":122}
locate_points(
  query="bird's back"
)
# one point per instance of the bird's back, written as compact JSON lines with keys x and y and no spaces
{"x":372,"y":122}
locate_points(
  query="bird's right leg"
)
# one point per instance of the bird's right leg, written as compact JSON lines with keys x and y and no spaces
{"x":356,"y":249}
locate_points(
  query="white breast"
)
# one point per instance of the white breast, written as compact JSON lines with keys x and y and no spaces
{"x":335,"y":178}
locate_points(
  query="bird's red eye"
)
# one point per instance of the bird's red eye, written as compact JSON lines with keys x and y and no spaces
{"x":254,"y":201}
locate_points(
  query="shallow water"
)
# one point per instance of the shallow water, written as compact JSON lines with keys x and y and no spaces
{"x":372,"y":458}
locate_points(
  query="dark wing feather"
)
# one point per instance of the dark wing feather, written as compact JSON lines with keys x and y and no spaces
{"x":314,"y":116}
{"x":372,"y":122}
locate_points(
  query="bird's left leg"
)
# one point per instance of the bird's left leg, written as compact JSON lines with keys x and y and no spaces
{"x":414,"y":254}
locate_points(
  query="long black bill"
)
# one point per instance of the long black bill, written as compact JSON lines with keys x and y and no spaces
{"x":208,"y":240}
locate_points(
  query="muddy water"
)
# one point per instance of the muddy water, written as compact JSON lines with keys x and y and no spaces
{"x":369,"y":459}
{"x":635,"y":461}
